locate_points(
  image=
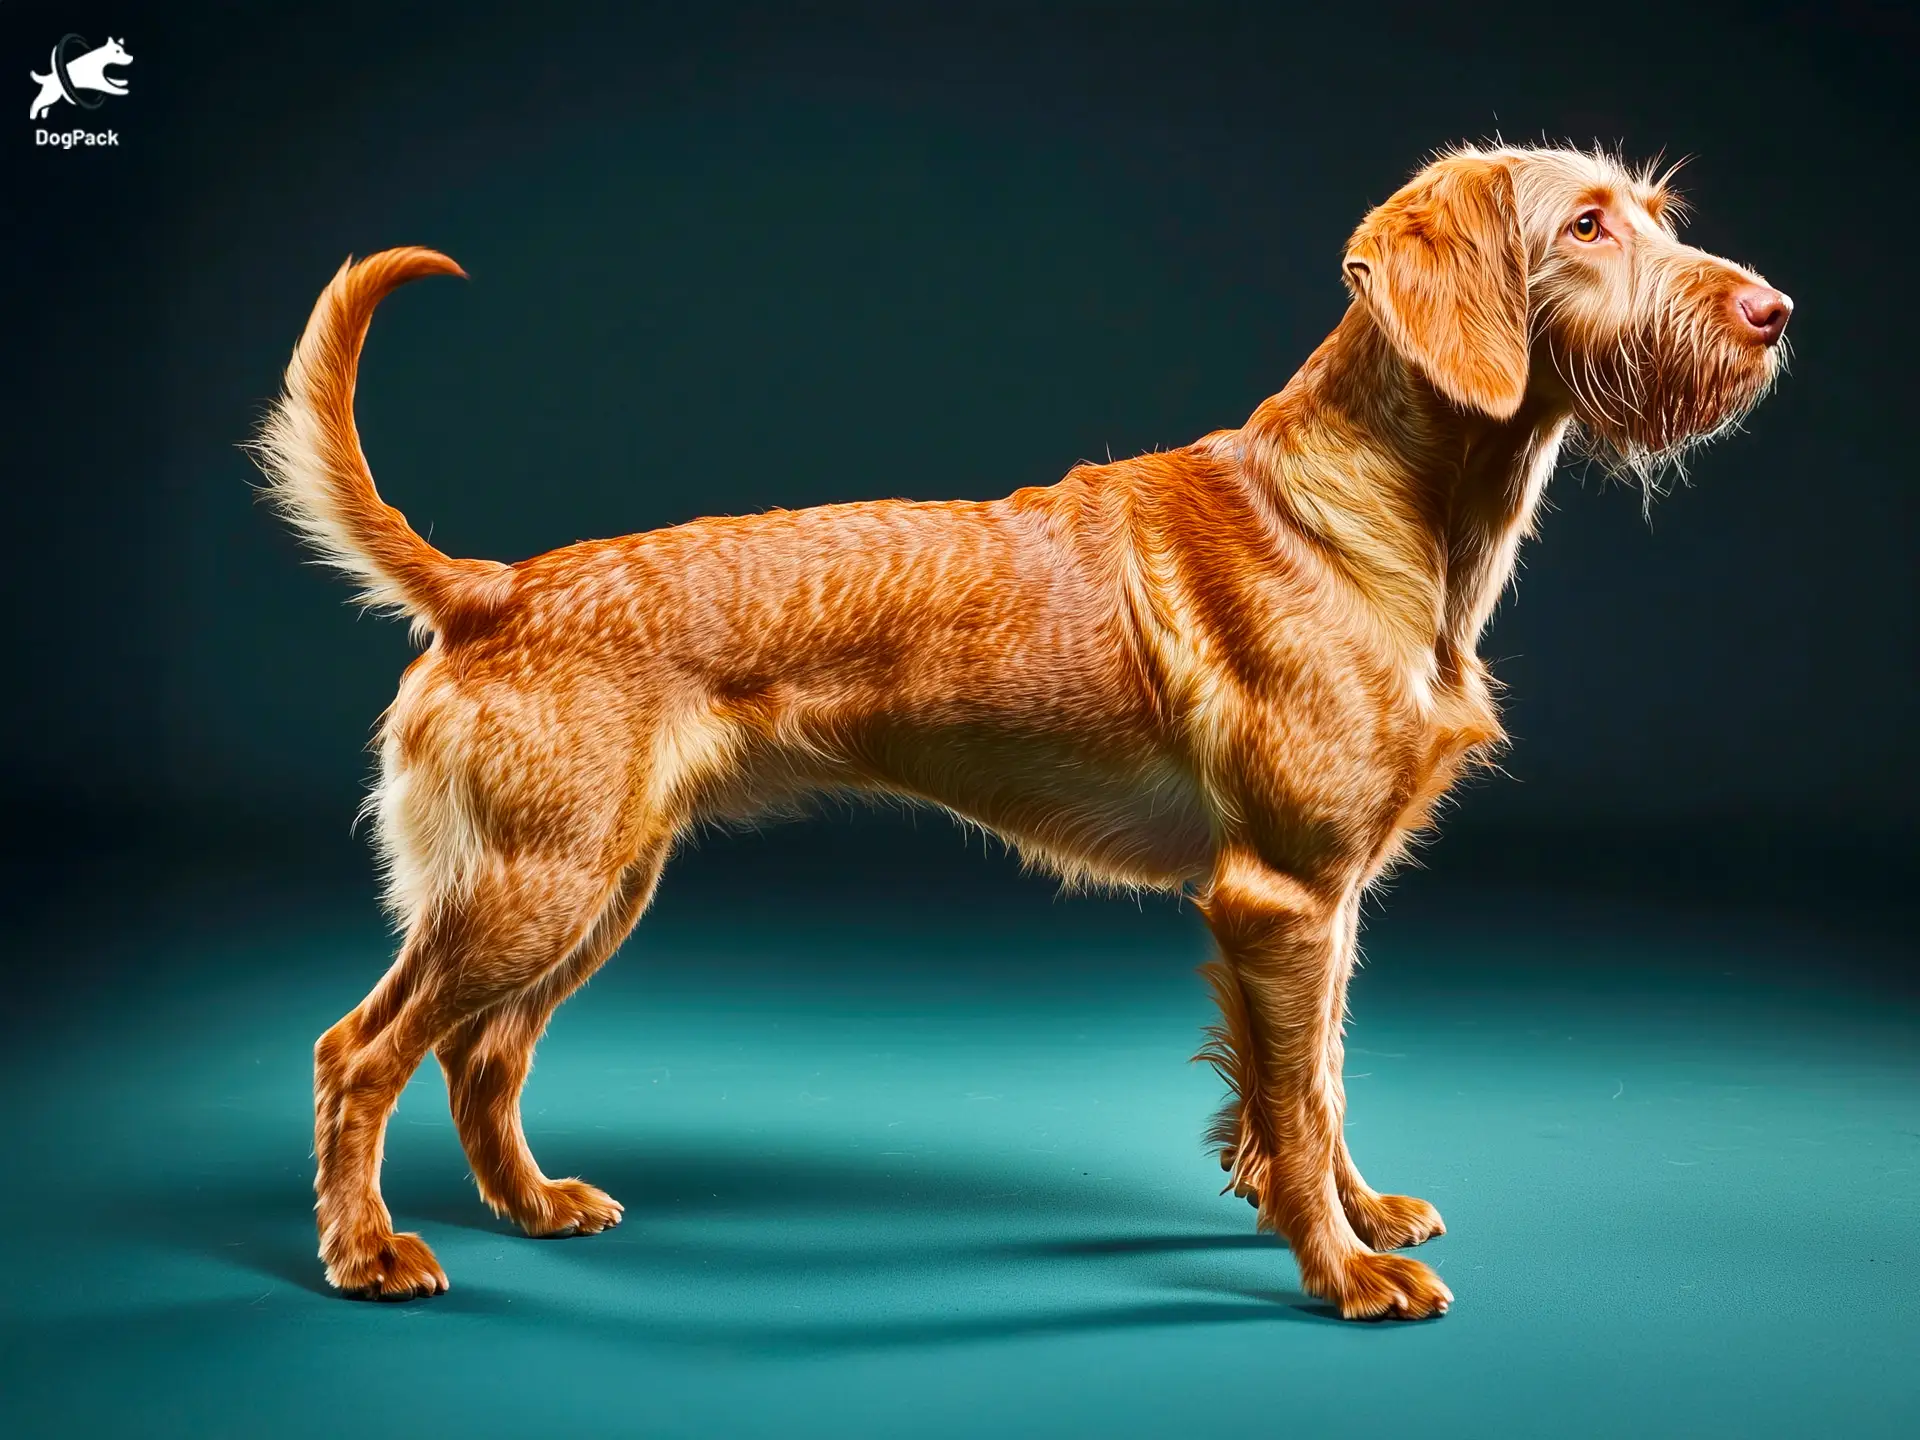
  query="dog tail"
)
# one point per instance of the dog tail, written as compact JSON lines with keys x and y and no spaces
{"x":317,"y":475}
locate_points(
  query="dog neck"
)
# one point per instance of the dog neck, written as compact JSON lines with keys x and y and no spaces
{"x":1421,"y":505}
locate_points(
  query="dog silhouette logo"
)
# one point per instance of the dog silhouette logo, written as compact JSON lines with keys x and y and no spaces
{"x":81,"y":78}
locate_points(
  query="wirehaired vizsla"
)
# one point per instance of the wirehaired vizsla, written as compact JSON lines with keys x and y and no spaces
{"x":1246,"y":668}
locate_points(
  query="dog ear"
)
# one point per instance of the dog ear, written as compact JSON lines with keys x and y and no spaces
{"x":1442,"y":269}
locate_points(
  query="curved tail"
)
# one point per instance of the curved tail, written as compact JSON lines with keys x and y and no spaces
{"x":317,"y":475}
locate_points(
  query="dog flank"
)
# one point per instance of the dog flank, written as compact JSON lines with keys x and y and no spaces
{"x":1247,"y":669}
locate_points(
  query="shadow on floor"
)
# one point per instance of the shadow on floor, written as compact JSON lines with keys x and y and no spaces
{"x":759,"y":1219}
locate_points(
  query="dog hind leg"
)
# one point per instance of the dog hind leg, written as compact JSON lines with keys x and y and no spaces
{"x":464,"y":954}
{"x":486,"y":1060}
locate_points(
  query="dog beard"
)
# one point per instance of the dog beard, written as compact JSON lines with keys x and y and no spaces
{"x":1680,"y":381}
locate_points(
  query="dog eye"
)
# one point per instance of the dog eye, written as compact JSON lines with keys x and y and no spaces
{"x":1586,"y":227}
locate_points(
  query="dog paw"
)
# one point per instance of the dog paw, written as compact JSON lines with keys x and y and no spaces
{"x":565,"y":1208}
{"x":1367,"y":1286}
{"x":387,"y":1267}
{"x":1240,"y":1185}
{"x":1393,"y":1222}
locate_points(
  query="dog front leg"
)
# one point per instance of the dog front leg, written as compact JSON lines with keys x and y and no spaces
{"x":1280,"y":983}
{"x":1386,"y":1222}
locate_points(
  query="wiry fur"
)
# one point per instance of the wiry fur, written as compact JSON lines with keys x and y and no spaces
{"x":1247,"y":668}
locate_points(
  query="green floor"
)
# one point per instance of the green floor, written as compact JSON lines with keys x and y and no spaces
{"x":882,"y":1184}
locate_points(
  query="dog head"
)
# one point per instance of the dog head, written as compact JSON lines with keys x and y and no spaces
{"x":1554,"y":275}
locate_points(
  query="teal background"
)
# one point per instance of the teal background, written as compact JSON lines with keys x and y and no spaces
{"x":933,"y":1168}
{"x":908,"y":1143}
{"x":726,"y":257}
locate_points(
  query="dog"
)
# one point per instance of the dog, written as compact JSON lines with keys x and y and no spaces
{"x":1245,"y":670}
{"x":87,"y":72}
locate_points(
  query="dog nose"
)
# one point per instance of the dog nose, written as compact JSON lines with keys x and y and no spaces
{"x":1764,"y":310}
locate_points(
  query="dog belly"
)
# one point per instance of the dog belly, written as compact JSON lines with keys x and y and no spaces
{"x":1139,"y":829}
{"x":1089,"y":818}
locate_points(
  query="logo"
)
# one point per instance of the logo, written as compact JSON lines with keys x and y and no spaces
{"x":78,"y":76}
